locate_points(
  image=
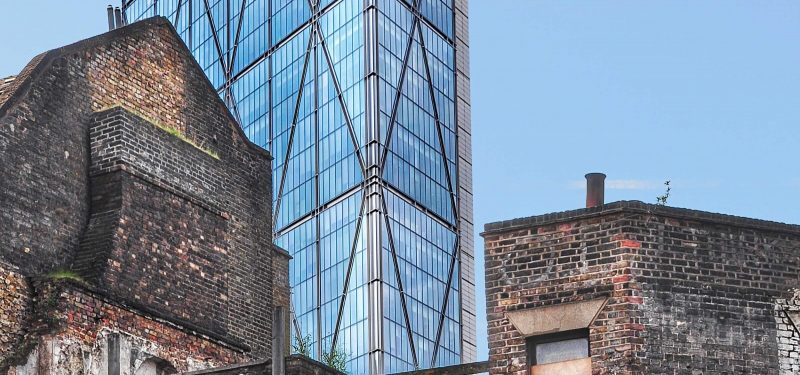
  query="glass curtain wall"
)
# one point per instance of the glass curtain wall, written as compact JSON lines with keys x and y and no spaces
{"x":295,"y":73}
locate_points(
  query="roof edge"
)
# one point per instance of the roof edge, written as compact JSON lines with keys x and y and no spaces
{"x":44,"y":60}
{"x":638,"y":207}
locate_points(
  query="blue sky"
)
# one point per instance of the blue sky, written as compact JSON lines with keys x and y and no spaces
{"x":705,"y":94}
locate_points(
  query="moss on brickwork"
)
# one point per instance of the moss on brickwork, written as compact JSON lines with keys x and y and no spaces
{"x":66,"y":275}
{"x":169,"y":129}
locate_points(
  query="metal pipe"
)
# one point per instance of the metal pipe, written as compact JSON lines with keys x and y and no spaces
{"x":595,"y":189}
{"x":118,"y":15}
{"x":110,"y":11}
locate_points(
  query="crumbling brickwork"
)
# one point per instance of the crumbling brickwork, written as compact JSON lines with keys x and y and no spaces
{"x":168,"y":237}
{"x":688,"y":291}
{"x":787,"y":318}
{"x":122,"y":168}
{"x":74,"y":324}
{"x":544,"y":265}
{"x":14,"y":308}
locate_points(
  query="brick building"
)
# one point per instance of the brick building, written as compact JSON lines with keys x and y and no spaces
{"x":135,"y":231}
{"x":635,"y":288}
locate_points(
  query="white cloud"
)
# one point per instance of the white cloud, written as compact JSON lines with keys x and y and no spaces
{"x":632,"y":184}
{"x":621,"y":184}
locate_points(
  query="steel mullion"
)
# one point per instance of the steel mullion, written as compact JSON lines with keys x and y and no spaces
{"x":296,"y":325}
{"x":216,"y":41}
{"x":456,"y":251}
{"x":234,"y":106}
{"x":349,"y":270}
{"x":281,"y":42}
{"x":178,"y":13}
{"x":190,"y":26}
{"x":316,"y":195}
{"x":236,"y":39}
{"x":291,"y":132}
{"x":228,"y":34}
{"x":456,"y":211}
{"x":338,"y":198}
{"x":437,"y":30}
{"x":399,"y":94}
{"x":399,"y":281}
{"x":340,"y":96}
{"x":439,"y":219}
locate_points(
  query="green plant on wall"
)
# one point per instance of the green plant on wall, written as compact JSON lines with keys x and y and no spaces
{"x":302,"y":345}
{"x":661,"y":200}
{"x":65,"y":275}
{"x":335,"y":359}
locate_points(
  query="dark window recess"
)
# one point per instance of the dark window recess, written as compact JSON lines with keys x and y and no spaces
{"x":558,"y":347}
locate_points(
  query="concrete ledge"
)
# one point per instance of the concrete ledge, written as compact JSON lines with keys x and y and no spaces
{"x":249,"y":368}
{"x":281,"y":251}
{"x":462,"y":369}
{"x":301,"y":365}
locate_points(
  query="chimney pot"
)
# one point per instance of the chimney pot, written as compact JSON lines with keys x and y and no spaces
{"x":118,"y":16}
{"x":595,"y":189}
{"x":110,"y":11}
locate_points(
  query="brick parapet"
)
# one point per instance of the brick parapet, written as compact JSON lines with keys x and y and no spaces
{"x":689,"y":290}
{"x":639,"y":207}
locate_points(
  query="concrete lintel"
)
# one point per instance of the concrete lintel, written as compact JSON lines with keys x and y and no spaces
{"x":556,"y":318}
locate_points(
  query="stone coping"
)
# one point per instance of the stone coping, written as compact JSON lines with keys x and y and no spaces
{"x":641,"y":208}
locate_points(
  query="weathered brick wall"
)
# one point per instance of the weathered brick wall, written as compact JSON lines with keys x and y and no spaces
{"x":161,"y":242}
{"x":545,"y":265}
{"x":711,"y":283}
{"x":75,"y":324}
{"x":178,"y":227}
{"x":43,"y":158}
{"x":14,"y":309}
{"x":691,"y":292}
{"x":787,"y":318}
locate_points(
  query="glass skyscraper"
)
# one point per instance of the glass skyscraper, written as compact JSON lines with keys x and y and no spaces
{"x":364,"y":104}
